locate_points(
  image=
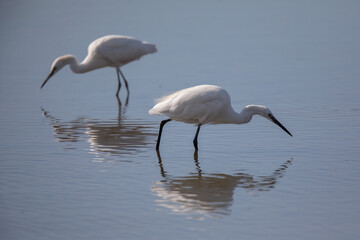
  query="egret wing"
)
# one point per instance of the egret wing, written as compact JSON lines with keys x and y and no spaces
{"x":202,"y":104}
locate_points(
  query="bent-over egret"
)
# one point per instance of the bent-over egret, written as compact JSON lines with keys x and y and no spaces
{"x":206,"y":104}
{"x":108,"y":51}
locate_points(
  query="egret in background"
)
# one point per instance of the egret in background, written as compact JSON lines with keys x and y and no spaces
{"x":206,"y":104}
{"x":109,"y":51}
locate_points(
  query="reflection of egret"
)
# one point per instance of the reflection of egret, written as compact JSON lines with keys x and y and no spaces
{"x":111,"y":137}
{"x":108,"y":51}
{"x":196,"y":161}
{"x":206,"y":104}
{"x":209,"y":194}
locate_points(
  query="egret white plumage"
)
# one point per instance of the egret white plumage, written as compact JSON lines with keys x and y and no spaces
{"x":206,"y":104}
{"x":108,"y":51}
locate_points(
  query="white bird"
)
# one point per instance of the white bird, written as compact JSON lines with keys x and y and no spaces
{"x":108,"y":51}
{"x":206,"y":104}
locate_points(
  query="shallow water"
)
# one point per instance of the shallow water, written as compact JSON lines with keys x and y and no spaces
{"x":77,"y":165}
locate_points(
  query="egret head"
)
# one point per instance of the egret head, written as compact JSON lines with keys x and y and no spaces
{"x":266,"y":113}
{"x":58,"y":64}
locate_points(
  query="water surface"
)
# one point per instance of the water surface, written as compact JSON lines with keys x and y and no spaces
{"x":77,"y":165}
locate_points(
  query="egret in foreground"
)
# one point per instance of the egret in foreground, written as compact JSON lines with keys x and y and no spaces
{"x":206,"y":104}
{"x":109,"y":51}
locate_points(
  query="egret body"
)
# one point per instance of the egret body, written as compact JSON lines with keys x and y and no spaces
{"x":109,"y":51}
{"x":206,"y":104}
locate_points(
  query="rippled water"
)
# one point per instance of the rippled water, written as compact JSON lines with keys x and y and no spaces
{"x":76,"y":164}
{"x":109,"y":138}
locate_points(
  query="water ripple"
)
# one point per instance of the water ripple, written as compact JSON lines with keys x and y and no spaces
{"x":199,"y":195}
{"x":117,"y":137}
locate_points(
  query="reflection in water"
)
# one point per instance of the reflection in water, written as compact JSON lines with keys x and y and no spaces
{"x":210,"y":195}
{"x":120,"y":104}
{"x":107,"y":138}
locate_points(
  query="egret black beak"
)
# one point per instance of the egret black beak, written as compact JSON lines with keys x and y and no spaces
{"x":48,"y":77}
{"x":279,"y":124}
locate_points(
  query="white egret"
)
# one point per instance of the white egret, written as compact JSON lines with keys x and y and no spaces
{"x":108,"y":51}
{"x":206,"y":104}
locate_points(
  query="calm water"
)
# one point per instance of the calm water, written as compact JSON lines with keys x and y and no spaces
{"x":75,"y":165}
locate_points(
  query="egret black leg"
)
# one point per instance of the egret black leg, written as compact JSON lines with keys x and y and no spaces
{"x":119,"y":83}
{"x":160,"y":131}
{"x":162,"y":171}
{"x":119,"y":102}
{"x":196,"y":137}
{"x":197,"y":164}
{"x":126,"y":83}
